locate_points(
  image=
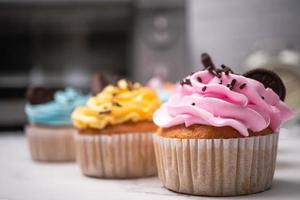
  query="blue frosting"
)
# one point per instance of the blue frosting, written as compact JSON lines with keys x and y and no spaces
{"x":58,"y":111}
{"x":163,"y":94}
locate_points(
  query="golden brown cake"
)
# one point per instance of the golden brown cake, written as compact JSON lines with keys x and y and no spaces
{"x":198,"y":131}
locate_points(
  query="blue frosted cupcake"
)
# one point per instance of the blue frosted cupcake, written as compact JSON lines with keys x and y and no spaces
{"x":163,"y":89}
{"x":50,"y":131}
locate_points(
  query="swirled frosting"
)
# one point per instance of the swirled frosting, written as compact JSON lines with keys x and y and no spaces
{"x":58,"y":111}
{"x":226,"y":100}
{"x":125,"y":102}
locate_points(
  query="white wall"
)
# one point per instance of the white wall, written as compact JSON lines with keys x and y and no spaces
{"x":230,"y":30}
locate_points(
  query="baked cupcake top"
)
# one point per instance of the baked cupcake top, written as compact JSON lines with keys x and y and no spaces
{"x":220,"y":98}
{"x":117,"y":104}
{"x":46,"y":107}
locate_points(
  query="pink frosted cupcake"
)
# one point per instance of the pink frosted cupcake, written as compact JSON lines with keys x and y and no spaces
{"x":219,"y":131}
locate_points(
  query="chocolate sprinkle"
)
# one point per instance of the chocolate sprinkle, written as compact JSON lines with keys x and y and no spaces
{"x":209,"y":65}
{"x":233,"y":82}
{"x":193,"y":104}
{"x":204,"y":88}
{"x":186,"y":81}
{"x":219,"y":73}
{"x":114,"y":103}
{"x":243,"y":86}
{"x":105,"y":112}
{"x":221,"y":82}
{"x":199,"y":79}
{"x":262,"y":97}
{"x":211,"y":70}
{"x":129,"y":85}
{"x":226,"y":69}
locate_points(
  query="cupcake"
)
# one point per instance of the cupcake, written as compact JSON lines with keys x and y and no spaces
{"x":163,"y":89}
{"x":219,"y":131}
{"x":50,"y":132}
{"x":114,"y":132}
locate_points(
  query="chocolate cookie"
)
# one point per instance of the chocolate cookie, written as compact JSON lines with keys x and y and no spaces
{"x":99,"y":81}
{"x":269,"y":79}
{"x":39,"y":95}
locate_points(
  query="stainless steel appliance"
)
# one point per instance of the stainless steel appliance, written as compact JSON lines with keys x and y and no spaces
{"x":61,"y":43}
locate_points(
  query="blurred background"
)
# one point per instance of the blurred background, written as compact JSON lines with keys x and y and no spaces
{"x":61,"y":43}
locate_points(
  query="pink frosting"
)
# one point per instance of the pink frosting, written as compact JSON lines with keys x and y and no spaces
{"x":208,"y":102}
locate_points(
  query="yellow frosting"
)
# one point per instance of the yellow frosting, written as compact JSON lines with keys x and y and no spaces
{"x":115,"y":105}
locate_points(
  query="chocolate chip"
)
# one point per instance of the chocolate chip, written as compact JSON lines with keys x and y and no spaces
{"x":204,"y":88}
{"x":193,"y":104}
{"x":269,"y":79}
{"x":39,"y":95}
{"x":262,"y":97}
{"x":221,"y":82}
{"x":206,"y":61}
{"x":243,"y":86}
{"x":199,"y":79}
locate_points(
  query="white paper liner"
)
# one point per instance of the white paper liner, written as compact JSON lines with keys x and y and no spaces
{"x":216,"y":167}
{"x":51,"y":144}
{"x":128,"y":155}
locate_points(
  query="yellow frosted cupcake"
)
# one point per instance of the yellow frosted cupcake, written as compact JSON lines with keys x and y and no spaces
{"x":114,"y":137}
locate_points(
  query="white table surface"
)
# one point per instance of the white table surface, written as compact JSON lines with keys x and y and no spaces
{"x":23,"y":179}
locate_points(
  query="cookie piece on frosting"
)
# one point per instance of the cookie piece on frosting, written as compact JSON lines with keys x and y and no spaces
{"x":99,"y":81}
{"x":39,"y":95}
{"x":269,"y":79}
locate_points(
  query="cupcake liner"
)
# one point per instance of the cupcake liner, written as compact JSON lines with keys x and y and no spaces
{"x":216,"y":167}
{"x":127,"y":155}
{"x":51,"y":144}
